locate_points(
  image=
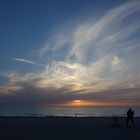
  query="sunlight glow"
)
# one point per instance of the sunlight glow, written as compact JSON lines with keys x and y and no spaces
{"x":86,"y":103}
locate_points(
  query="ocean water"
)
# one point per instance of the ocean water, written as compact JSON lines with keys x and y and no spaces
{"x":68,"y":111}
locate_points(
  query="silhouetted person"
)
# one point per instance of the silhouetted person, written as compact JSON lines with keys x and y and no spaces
{"x":76,"y":115}
{"x":115,"y":122}
{"x":130,"y":115}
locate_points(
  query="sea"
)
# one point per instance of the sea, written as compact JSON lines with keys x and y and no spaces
{"x":68,"y":111}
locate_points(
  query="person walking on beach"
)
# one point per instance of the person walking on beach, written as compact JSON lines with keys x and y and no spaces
{"x":130,"y":115}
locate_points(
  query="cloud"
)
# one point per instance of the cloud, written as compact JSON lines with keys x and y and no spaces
{"x":33,"y":96}
{"x":113,"y":33}
{"x":104,"y":34}
{"x":55,"y":43}
{"x":116,"y":64}
{"x":45,"y":89}
{"x":28,"y":61}
{"x":94,"y":60}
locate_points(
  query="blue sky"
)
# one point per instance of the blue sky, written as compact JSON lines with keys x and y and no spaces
{"x":69,"y":50}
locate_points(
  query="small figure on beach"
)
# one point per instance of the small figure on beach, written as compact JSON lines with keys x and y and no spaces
{"x":115,"y":122}
{"x":76,"y":116}
{"x":130,"y":116}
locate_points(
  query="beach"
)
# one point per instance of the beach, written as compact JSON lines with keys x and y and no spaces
{"x":67,"y":128}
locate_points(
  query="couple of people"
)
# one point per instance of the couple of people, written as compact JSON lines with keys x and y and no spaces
{"x":130,"y":116}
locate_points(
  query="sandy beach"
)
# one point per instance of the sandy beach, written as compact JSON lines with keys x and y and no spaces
{"x":67,"y":128}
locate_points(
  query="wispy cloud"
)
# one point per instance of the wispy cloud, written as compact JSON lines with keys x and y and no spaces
{"x":28,"y":61}
{"x":100,"y":51}
{"x":111,"y":34}
{"x":94,"y":51}
{"x":106,"y":33}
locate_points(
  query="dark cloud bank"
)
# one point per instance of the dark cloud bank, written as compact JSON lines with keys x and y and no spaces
{"x":33,"y":96}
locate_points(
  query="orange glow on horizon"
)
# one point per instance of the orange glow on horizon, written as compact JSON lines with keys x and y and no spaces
{"x":76,"y":103}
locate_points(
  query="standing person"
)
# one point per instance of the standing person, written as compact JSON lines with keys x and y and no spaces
{"x":130,"y":116}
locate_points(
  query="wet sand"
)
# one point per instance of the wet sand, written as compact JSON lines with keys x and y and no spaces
{"x":67,"y":128}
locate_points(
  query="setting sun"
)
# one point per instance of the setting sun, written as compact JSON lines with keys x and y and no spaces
{"x":86,"y":103}
{"x":82,"y":103}
{"x":78,"y":102}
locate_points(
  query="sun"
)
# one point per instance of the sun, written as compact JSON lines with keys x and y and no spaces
{"x":77,"y":101}
{"x":86,"y":103}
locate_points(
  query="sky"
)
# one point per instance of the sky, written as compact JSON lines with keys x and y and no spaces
{"x":69,"y":53}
